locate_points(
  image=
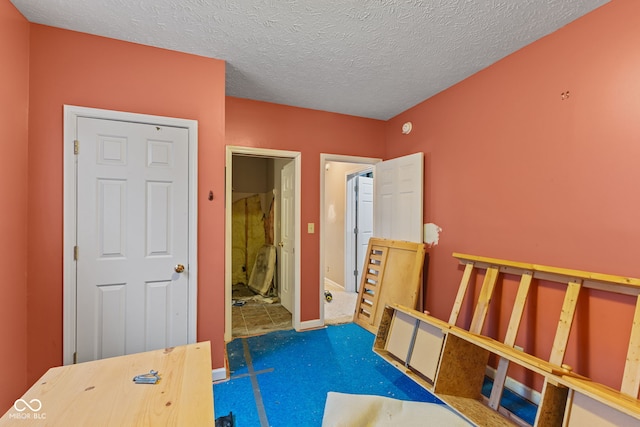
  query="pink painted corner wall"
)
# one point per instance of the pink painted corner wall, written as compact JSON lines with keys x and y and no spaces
{"x":514,"y":171}
{"x":14,"y":105}
{"x":79,"y":69}
{"x":265,"y":125}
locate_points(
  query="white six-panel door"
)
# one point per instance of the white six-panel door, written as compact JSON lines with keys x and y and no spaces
{"x":364,"y":222}
{"x":398,"y":198}
{"x":287,"y":235}
{"x":132,"y":233}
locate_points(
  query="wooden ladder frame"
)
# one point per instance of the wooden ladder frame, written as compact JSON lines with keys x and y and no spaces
{"x":392,"y":273}
{"x":455,"y":357}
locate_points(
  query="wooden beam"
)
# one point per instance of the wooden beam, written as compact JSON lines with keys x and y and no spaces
{"x":510,"y":339}
{"x":565,"y":322}
{"x":631,"y":376}
{"x":462,"y":290}
{"x":626,"y":285}
{"x":484,"y":299}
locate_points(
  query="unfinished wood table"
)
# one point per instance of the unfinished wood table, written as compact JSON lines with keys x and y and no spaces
{"x":102,"y":392}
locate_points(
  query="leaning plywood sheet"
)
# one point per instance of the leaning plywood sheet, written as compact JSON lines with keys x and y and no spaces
{"x":262,"y":273}
{"x":392,"y":274}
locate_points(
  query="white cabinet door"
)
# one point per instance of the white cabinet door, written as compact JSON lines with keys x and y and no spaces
{"x":132,"y":233}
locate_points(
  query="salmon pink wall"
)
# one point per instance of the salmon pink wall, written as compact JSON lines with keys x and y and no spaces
{"x":80,"y":69}
{"x":14,"y":104}
{"x":514,"y":171}
{"x":265,"y":125}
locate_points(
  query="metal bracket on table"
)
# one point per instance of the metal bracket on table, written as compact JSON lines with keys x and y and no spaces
{"x":151,"y":378}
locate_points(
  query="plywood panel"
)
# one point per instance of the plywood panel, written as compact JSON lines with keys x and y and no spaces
{"x":426,"y":350}
{"x":401,"y":335}
{"x":585,"y":411}
{"x":462,"y":368}
{"x":552,"y":405}
{"x":102,"y":393}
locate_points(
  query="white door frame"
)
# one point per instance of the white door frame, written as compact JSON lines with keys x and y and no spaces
{"x":296,"y":156}
{"x":324,"y":158}
{"x":71,"y":114}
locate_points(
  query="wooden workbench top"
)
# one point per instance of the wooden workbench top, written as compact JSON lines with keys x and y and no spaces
{"x":102,"y":392}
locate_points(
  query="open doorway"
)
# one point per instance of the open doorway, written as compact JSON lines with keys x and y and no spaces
{"x":262,"y":267}
{"x":341,"y":237}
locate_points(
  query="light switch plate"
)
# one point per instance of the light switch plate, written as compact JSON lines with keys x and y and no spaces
{"x":311,"y":228}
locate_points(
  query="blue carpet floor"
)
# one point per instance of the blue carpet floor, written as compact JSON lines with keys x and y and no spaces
{"x":282,"y":378}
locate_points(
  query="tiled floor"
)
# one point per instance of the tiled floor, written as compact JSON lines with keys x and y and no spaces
{"x":257,"y":318}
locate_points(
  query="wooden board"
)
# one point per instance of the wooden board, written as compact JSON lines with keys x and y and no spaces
{"x":392,"y":274}
{"x":631,"y":377}
{"x":462,"y":291}
{"x":510,"y":339}
{"x":565,"y":322}
{"x":102,"y":392}
{"x":482,"y":305}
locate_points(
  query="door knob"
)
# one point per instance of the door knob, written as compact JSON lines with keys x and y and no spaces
{"x":281,"y":244}
{"x":179,"y":268}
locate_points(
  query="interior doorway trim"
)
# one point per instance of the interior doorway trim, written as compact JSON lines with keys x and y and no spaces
{"x":71,"y":115}
{"x":324,"y":158}
{"x":296,"y":156}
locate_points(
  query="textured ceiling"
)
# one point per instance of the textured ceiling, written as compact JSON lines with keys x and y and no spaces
{"x":369,"y":58}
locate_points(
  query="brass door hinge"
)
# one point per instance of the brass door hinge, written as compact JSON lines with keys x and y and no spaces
{"x":76,"y":250}
{"x":76,"y":146}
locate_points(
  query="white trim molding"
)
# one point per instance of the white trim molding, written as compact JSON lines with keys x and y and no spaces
{"x":218,"y":374}
{"x":311,"y":324}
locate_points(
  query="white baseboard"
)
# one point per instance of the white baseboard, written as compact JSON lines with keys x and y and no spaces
{"x":218,"y":374}
{"x":516,"y":387}
{"x":310,"y":324}
{"x":328,"y":283}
